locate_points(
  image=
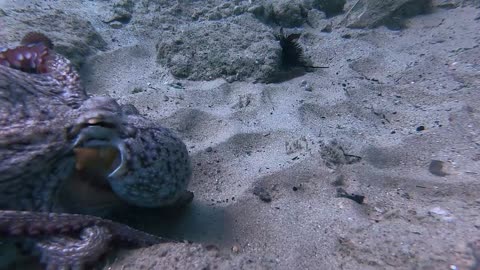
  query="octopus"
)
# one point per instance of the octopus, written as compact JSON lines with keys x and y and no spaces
{"x":63,"y":152}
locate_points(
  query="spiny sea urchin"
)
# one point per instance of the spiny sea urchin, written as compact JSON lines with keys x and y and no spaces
{"x":292,"y":52}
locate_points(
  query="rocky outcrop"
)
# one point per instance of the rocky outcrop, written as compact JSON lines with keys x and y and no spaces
{"x":373,"y":13}
{"x":229,"y":49}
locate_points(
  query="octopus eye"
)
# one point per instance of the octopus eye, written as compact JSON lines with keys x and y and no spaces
{"x":94,"y":121}
{"x":96,"y":142}
{"x":98,"y":122}
{"x":103,"y":160}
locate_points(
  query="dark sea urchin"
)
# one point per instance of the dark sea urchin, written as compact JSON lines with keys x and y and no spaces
{"x":293,"y":62}
{"x":292,"y":52}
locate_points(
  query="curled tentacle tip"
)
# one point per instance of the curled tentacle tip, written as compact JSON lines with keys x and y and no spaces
{"x":30,"y":59}
{"x":31,"y":56}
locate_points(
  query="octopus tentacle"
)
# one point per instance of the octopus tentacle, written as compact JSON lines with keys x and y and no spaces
{"x":31,"y":57}
{"x":66,"y":252}
{"x":152,"y":175}
{"x":64,"y":74}
{"x":35,"y":55}
{"x":36,"y":224}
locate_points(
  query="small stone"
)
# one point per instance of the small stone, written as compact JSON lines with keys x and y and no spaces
{"x":447,"y":4}
{"x":256,"y":10}
{"x":339,"y":181}
{"x":330,"y":7}
{"x":214,"y":16}
{"x":137,"y":90}
{"x":262,"y":194}
{"x":341,"y":193}
{"x":373,"y":13}
{"x":120,"y":16}
{"x":441,"y":214}
{"x":209,"y":149}
{"x":420,"y":128}
{"x":437,"y":167}
{"x":116,"y":25}
{"x":477,"y":224}
{"x":327,"y":29}
{"x":238,"y":10}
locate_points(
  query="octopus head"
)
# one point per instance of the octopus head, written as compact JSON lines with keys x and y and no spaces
{"x":144,"y":164}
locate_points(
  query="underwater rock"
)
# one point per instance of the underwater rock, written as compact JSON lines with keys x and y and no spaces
{"x":287,"y":13}
{"x":330,"y":7}
{"x":233,"y":49}
{"x":373,"y":13}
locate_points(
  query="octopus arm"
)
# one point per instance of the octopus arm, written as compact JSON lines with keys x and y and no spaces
{"x":41,"y":224}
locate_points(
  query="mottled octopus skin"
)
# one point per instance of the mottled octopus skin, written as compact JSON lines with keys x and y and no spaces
{"x":34,"y":224}
{"x":32,"y":56}
{"x":44,"y":114}
{"x":29,"y":58}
